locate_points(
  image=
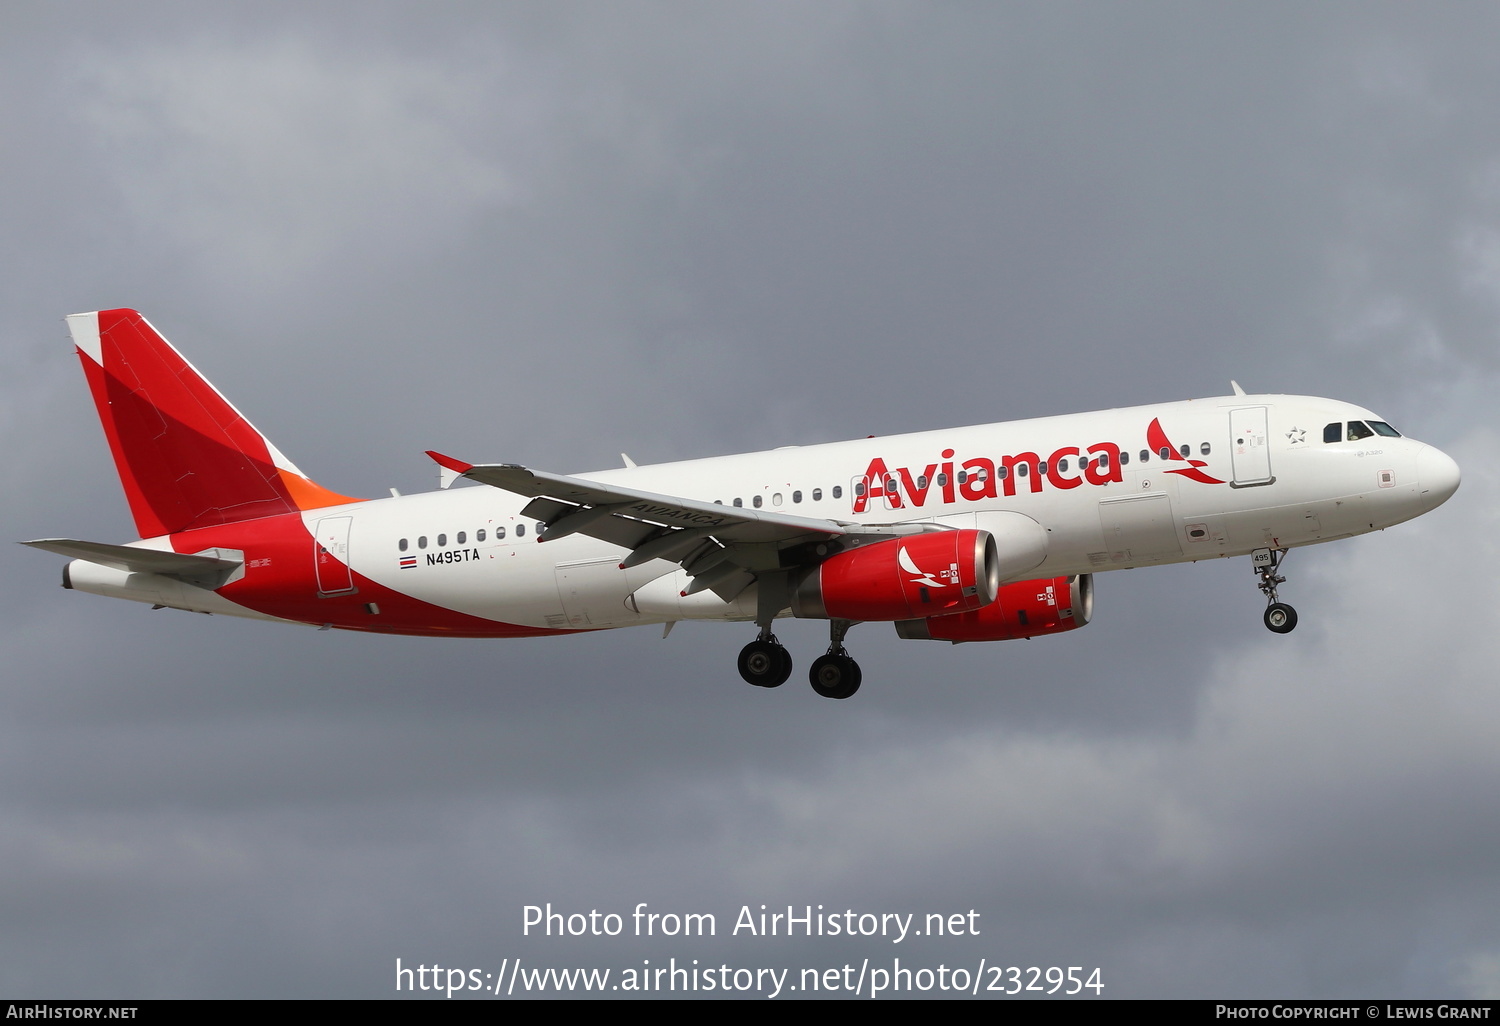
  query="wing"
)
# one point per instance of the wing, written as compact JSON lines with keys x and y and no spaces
{"x":723,"y":548}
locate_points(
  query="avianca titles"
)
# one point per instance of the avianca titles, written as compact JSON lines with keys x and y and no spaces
{"x":967,"y":534}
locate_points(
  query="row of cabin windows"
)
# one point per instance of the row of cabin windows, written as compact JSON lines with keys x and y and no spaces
{"x":462,"y":537}
{"x":1022,"y":469}
{"x":836,"y":492}
{"x":1358,"y":429}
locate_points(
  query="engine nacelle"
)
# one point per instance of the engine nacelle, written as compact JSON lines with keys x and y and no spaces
{"x":1025,"y":609}
{"x":923,"y":575}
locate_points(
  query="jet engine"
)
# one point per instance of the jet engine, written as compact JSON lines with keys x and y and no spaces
{"x":923,"y":575}
{"x":1025,"y":609}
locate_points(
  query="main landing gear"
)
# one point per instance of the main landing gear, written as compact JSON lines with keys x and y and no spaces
{"x":1280,"y":617}
{"x":766,"y":663}
{"x":834,"y":674}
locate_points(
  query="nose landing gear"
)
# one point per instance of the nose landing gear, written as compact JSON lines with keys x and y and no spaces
{"x":1280,"y":617}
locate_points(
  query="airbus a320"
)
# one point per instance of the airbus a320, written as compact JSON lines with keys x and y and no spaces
{"x":968,"y":534}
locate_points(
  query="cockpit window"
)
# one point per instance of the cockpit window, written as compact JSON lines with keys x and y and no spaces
{"x":1358,"y":430}
{"x":1333,"y":432}
{"x":1384,"y":429}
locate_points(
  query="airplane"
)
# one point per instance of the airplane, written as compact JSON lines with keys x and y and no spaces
{"x":969,"y":534}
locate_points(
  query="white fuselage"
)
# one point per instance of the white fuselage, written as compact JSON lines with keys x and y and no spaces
{"x":470,"y":549}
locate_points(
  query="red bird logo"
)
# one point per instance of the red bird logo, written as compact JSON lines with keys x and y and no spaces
{"x":1157,"y":439}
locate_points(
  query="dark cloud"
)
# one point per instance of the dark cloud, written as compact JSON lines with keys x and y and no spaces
{"x":547,"y":233}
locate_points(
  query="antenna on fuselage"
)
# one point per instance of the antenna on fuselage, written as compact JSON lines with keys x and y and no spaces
{"x":1236,"y":386}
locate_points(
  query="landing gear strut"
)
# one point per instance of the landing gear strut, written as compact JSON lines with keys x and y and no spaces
{"x":765,"y":662}
{"x":834,"y":674}
{"x":1279,"y":617}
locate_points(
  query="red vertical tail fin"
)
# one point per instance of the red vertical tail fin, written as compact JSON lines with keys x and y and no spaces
{"x":186,"y":456}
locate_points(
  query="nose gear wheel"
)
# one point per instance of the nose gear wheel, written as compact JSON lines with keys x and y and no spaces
{"x":1280,"y":617}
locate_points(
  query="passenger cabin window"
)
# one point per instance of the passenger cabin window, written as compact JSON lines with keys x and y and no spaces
{"x":1358,"y":430}
{"x":738,"y":501}
{"x":520,"y":530}
{"x":401,"y":545}
{"x":1145,"y":455}
{"x":479,"y":535}
{"x":461,"y":536}
{"x":796,"y":496}
{"x":963,"y":476}
{"x":776,"y":499}
{"x":817,"y":495}
{"x":499,"y":533}
{"x":1062,"y":465}
{"x":421,"y":541}
{"x":859,"y":489}
{"x":1204,"y":449}
{"x":838,"y":491}
{"x":1186,"y":450}
{"x":442,"y":541}
{"x":1333,"y":432}
{"x":942,"y":480}
{"x":755,"y":502}
{"x":1164,"y":452}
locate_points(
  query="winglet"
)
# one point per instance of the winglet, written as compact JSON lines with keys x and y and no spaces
{"x":449,"y":469}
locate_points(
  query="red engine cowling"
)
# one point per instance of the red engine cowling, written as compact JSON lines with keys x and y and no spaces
{"x":1025,"y":609}
{"x":922,"y":575}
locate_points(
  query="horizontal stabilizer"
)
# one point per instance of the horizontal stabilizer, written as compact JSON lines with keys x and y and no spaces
{"x":202,"y":568}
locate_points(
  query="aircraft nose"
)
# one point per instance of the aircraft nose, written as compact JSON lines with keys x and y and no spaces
{"x":1437,"y":476}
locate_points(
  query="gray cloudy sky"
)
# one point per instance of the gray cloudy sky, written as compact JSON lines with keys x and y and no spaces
{"x":544,"y":233}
